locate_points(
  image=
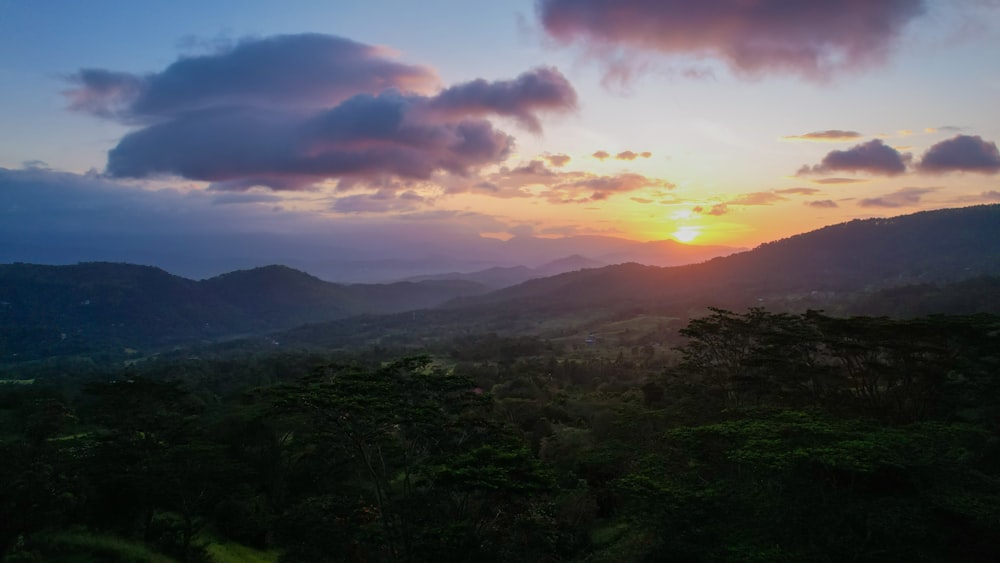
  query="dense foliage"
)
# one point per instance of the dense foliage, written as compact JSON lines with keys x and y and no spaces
{"x":762,"y":437}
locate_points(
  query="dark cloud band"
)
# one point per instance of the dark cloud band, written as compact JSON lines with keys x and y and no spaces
{"x":807,"y":38}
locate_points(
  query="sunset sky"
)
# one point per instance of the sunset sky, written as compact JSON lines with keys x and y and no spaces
{"x":730,"y":122}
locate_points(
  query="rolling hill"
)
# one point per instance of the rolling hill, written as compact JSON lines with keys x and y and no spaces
{"x":54,"y":310}
{"x":928,"y":247}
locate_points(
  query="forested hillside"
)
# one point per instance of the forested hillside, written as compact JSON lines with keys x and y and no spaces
{"x":628,"y":413}
{"x":107,"y":308}
{"x":762,"y":437}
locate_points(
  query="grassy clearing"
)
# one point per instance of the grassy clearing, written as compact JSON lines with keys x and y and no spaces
{"x":83,"y":546}
{"x":639,"y":323}
{"x":80,"y":546}
{"x":69,"y":437}
{"x":603,"y":330}
{"x":17,"y":381}
{"x":229,"y":552}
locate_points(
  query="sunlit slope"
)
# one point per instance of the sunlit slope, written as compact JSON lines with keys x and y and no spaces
{"x":933,"y":246}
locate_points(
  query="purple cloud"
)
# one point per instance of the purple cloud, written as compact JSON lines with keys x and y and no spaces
{"x":292,"y":111}
{"x":798,"y":191}
{"x":837,"y":181}
{"x":104,"y":93}
{"x":962,"y":153}
{"x":900,"y":198}
{"x":822,"y":204}
{"x":306,"y":70}
{"x":809,"y":39}
{"x":540,"y":89}
{"x":873,"y":157}
{"x":365,"y":136}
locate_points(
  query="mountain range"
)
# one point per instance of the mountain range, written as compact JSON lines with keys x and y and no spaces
{"x":499,"y":277}
{"x":928,"y":247}
{"x":85,"y":307}
{"x":57,"y":310}
{"x":381,"y":259}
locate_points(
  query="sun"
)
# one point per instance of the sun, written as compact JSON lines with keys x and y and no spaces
{"x":686,"y":234}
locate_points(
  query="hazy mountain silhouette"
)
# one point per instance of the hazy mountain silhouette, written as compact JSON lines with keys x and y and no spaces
{"x":499,"y":277}
{"x":68,"y":309}
{"x":932,"y":246}
{"x":50,"y":310}
{"x":932,"y":262}
{"x":498,"y":263}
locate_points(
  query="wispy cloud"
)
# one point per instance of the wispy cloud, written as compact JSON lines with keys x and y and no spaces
{"x":838,"y":180}
{"x":584,"y":187}
{"x":756,"y":198}
{"x":630,"y":155}
{"x":900,"y":198}
{"x":623,"y":155}
{"x":535,"y":179}
{"x":830,"y":135}
{"x":382,"y":201}
{"x":747,"y":199}
{"x":822,"y":204}
{"x":717,"y":209}
{"x":798,"y":191}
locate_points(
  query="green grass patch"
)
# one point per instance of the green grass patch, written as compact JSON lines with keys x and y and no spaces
{"x":69,"y":437}
{"x":81,"y":546}
{"x":84,"y":546}
{"x":231,"y":552}
{"x":608,"y":534}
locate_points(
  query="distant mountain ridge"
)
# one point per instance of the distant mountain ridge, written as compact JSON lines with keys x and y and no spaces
{"x":378,"y":260}
{"x":68,"y":309}
{"x":499,"y":277}
{"x":926,"y":247}
{"x":498,"y":263}
{"x":60,"y":310}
